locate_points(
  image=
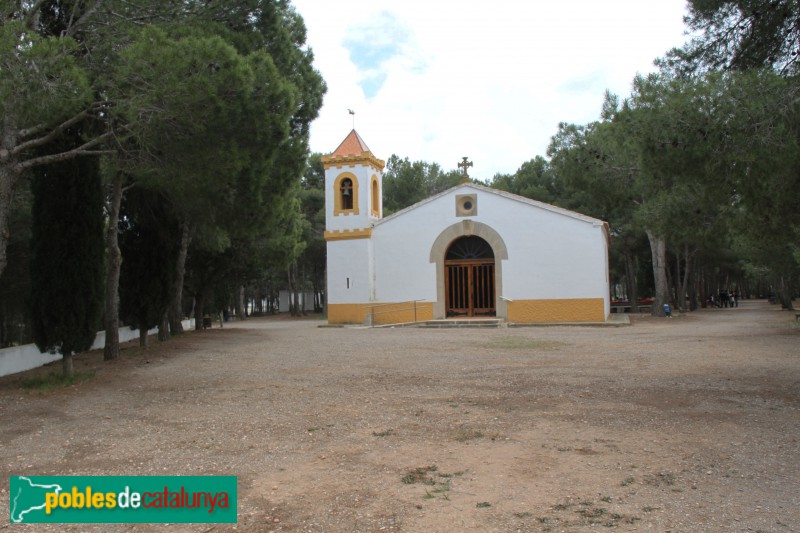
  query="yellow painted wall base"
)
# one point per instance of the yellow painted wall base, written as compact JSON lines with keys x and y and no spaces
{"x":382,"y":313}
{"x":549,"y":311}
{"x":519,"y":311}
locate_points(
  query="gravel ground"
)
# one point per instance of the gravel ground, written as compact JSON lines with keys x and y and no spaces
{"x":684,"y":424}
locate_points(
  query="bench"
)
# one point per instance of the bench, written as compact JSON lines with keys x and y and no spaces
{"x":643,"y":308}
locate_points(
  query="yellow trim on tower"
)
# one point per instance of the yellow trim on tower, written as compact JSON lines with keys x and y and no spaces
{"x":343,"y":235}
{"x":337,"y":194}
{"x":365,"y":158}
{"x":550,"y":311}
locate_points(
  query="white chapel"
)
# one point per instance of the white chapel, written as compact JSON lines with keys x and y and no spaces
{"x":470,"y":251}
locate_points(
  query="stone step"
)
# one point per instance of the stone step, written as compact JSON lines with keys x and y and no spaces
{"x":463,"y":323}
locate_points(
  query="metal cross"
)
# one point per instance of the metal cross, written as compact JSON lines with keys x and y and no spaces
{"x":464,"y":164}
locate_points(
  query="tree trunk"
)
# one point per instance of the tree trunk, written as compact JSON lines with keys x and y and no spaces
{"x":695,"y":294}
{"x":668,"y":272}
{"x":163,"y":327}
{"x":702,"y":283}
{"x":301,"y":294}
{"x":241,"y":312}
{"x":66,"y":365}
{"x":113,"y":264}
{"x":676,"y":284}
{"x":684,"y":283}
{"x":143,"y":334}
{"x":176,"y":305}
{"x":784,"y":295}
{"x":8,"y":179}
{"x":199,"y":304}
{"x":291,"y":280}
{"x":658,"y":251}
{"x":630,"y":279}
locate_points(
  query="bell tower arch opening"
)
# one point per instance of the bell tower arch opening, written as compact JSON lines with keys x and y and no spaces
{"x":353,"y":182}
{"x":346,"y":192}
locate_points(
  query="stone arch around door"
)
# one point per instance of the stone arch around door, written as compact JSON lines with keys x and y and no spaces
{"x":467,"y":228}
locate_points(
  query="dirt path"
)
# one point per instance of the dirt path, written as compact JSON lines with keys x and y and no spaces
{"x":689,"y":424}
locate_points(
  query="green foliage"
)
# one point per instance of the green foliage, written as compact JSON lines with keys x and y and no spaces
{"x":532,"y":180}
{"x":696,"y":161}
{"x":312,"y":204}
{"x":40,"y":78}
{"x":209,"y":103}
{"x":737,"y":135}
{"x":67,"y":255}
{"x":53,"y":381}
{"x":740,"y":34}
{"x":219,"y":110}
{"x":406,"y":183}
{"x":314,"y":175}
{"x":193,"y":107}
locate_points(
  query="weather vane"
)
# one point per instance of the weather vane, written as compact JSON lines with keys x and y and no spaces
{"x":464,"y":165}
{"x":353,"y":113}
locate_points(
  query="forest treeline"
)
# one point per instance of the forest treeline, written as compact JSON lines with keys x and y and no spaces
{"x":150,"y":161}
{"x":154,"y":163}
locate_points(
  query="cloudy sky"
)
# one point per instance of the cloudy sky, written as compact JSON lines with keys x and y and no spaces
{"x":436,"y":80}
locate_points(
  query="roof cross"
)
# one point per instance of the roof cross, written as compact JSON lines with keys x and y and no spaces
{"x":463,"y":165}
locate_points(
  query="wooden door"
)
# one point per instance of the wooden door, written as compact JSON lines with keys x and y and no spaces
{"x":470,"y":287}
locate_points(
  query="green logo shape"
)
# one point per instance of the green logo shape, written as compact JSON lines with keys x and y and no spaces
{"x":122,"y":499}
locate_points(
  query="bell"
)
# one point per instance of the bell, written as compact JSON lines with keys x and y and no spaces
{"x":346,"y":192}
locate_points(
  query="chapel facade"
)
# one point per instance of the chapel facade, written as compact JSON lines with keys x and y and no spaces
{"x":471,"y":251}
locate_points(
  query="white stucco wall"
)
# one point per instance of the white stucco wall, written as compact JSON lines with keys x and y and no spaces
{"x":551,"y":255}
{"x":401,"y":250}
{"x":350,"y":275}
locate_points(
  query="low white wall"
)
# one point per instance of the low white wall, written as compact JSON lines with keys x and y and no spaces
{"x":21,"y":358}
{"x":306,"y":299}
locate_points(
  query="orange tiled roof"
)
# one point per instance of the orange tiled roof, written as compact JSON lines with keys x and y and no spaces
{"x":353,"y":144}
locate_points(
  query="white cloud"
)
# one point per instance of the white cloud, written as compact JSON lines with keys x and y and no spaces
{"x":437,"y":80}
{"x":373,"y":45}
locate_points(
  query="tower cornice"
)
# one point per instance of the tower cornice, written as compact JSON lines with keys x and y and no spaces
{"x":364,"y":158}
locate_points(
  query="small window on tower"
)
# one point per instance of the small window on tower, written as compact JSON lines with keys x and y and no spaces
{"x":346,"y":190}
{"x":376,"y":198}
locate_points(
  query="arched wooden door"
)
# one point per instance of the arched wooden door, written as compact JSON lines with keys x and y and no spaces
{"x":469,"y":278}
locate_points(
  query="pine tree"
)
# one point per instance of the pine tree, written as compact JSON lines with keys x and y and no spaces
{"x":149,"y":237}
{"x":67,"y":256}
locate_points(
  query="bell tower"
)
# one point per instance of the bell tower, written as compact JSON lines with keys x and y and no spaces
{"x":353,"y":203}
{"x":353,"y":188}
